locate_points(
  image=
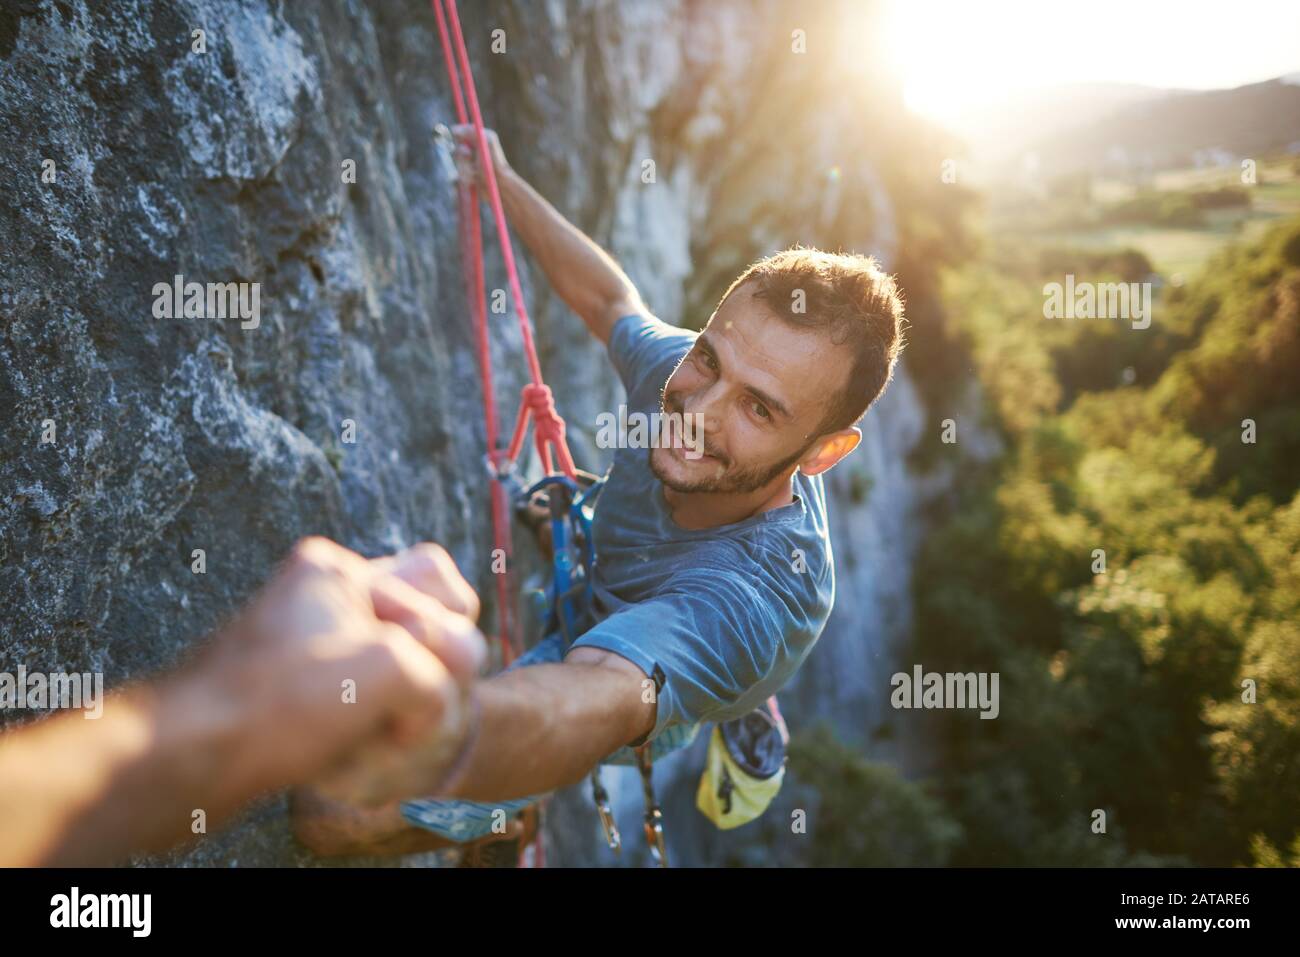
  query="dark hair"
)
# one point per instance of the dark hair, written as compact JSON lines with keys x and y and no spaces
{"x":852,"y":300}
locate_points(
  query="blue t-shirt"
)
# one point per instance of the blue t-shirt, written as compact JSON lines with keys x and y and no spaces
{"x":726,"y":614}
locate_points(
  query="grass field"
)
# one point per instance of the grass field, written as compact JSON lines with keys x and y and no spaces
{"x":1175,"y":251}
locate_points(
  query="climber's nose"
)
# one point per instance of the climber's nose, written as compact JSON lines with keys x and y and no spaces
{"x":705,"y":406}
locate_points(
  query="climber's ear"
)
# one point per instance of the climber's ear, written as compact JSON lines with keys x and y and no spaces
{"x":829,"y":449}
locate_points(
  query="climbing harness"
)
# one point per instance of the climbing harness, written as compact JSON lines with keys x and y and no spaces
{"x":570,"y":505}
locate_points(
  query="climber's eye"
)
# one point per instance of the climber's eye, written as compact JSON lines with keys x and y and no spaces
{"x":706,"y":359}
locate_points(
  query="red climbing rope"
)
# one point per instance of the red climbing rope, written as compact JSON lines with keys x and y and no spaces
{"x":471,"y":252}
{"x":538,"y":404}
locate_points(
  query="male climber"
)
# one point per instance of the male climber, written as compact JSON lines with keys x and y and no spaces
{"x":714,"y":574}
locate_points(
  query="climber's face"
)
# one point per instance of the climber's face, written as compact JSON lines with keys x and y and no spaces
{"x":761,"y":388}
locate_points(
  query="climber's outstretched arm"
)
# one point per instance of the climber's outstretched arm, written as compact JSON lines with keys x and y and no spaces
{"x":581,"y":273}
{"x":546,"y":726}
{"x":543,"y":727}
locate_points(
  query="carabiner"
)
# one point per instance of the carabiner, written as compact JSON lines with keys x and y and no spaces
{"x":654,"y":817}
{"x":654,"y":836}
{"x":607,"y":822}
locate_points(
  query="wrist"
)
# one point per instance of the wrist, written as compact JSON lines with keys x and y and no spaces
{"x":453,"y":775}
{"x":203,"y":724}
{"x":227,"y":701}
{"x":508,"y":182}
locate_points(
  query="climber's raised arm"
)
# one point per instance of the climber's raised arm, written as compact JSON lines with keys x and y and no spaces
{"x":581,"y":273}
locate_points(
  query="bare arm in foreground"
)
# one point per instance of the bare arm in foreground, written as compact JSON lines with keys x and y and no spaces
{"x":261,"y":708}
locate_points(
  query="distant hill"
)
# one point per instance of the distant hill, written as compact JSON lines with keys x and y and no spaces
{"x":1004,"y":130}
{"x":1179,"y":128}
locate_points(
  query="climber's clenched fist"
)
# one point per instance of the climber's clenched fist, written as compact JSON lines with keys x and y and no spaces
{"x":468,"y":153}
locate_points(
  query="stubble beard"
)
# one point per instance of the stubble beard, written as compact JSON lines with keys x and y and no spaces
{"x":728,"y":479}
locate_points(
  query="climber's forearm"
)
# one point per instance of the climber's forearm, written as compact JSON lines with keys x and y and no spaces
{"x":546,"y":726}
{"x":582,"y":274}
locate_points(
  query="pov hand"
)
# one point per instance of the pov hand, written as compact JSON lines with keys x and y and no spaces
{"x":344,"y":662}
{"x":467,"y":153}
{"x":420,"y":747}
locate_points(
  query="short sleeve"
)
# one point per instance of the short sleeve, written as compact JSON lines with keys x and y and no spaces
{"x":713,"y":639}
{"x":643,"y":347}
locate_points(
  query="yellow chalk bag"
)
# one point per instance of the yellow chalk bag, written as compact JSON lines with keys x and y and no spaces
{"x":744,"y":768}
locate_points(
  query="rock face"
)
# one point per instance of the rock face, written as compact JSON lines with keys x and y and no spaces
{"x":134,"y":150}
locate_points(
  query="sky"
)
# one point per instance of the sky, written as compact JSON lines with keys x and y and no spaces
{"x":954,"y":55}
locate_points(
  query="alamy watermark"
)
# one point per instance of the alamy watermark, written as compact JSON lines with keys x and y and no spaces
{"x":58,"y":689}
{"x":1092,"y":300}
{"x":179,"y":299}
{"x":130,"y":911}
{"x":641,"y":430}
{"x":948,"y":690}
